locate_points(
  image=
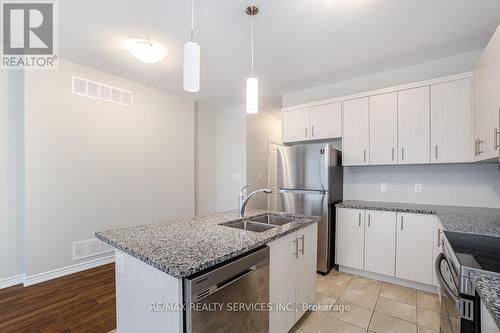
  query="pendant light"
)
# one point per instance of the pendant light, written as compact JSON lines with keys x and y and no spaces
{"x":252,"y":96}
{"x":191,"y":73}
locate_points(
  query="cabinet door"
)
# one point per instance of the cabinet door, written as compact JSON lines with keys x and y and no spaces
{"x":326,"y":121}
{"x":437,"y":248}
{"x":487,"y":101}
{"x":384,"y":129}
{"x":305,"y":289}
{"x":380,"y":242}
{"x":413,"y":126}
{"x":355,"y":135}
{"x":295,"y":125}
{"x":451,"y":122}
{"x":414,"y":247}
{"x":282,"y":283}
{"x":350,"y":237}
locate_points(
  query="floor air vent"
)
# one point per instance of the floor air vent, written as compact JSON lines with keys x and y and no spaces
{"x":89,"y":248}
{"x":100,"y":91}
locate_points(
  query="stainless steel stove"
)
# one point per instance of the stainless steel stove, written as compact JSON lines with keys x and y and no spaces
{"x":462,"y":254}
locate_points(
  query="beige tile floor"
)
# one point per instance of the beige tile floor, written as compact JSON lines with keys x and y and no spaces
{"x":374,"y":306}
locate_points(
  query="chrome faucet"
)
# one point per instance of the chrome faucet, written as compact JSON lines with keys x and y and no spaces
{"x":244,"y":200}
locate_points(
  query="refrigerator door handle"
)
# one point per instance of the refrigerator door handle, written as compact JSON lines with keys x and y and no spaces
{"x":301,"y":191}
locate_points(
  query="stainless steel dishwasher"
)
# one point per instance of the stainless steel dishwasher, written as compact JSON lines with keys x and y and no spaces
{"x":231,"y":297}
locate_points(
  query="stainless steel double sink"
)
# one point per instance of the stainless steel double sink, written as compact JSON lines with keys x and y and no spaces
{"x":259,"y":223}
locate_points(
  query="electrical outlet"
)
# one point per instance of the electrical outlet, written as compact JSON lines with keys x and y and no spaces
{"x":418,"y":188}
{"x":383,"y":187}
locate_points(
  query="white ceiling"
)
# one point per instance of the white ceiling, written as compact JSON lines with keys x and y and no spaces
{"x":299,"y":43}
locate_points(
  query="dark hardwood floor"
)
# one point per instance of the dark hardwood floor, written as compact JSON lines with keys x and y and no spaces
{"x":81,"y":302}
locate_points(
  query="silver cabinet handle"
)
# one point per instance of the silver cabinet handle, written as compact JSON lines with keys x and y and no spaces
{"x":303,"y":241}
{"x":402,"y":154}
{"x":369,"y":219}
{"x":496,"y":133}
{"x":436,"y":151}
{"x":393,"y":154}
{"x":479,"y":151}
{"x":364,"y":155}
{"x":296,"y":254}
{"x":305,"y":130}
{"x":359,"y":222}
{"x":401,"y":223}
{"x":475,"y":147}
{"x":312,"y":131}
{"x":439,"y":237}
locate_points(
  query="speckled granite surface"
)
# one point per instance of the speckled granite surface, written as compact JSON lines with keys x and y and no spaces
{"x":488,"y":287}
{"x":482,"y":221}
{"x":186,"y":246}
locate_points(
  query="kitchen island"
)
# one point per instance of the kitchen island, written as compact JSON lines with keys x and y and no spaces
{"x":153,"y":260}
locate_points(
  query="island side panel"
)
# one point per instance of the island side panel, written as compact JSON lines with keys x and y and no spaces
{"x":139,"y":287}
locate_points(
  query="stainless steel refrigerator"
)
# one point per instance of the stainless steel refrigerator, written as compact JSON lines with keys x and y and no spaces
{"x":310,"y":182}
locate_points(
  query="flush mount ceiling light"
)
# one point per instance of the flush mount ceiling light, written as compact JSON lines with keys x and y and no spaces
{"x":146,"y":51}
{"x":191,"y":72}
{"x":252,"y":95}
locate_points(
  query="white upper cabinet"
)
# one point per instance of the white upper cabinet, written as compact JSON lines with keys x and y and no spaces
{"x":295,"y":125}
{"x":313,"y":123}
{"x":487,"y":101}
{"x":380,"y":242}
{"x":414,"y":126}
{"x":326,"y":121}
{"x":355,"y":138}
{"x":384,"y":129}
{"x":451,"y":122}
{"x":414,"y":247}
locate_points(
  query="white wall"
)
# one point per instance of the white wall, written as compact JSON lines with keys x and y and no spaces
{"x":447,"y":66}
{"x":205,"y":162}
{"x":261,"y":128}
{"x":231,"y":133}
{"x":11,"y":174}
{"x":93,"y":165}
{"x":476,"y":185}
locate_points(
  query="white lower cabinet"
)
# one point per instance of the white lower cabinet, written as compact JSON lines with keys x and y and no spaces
{"x":380,"y":242}
{"x":350,"y":238}
{"x":388,"y":243}
{"x":292,"y":276}
{"x":414,"y":249}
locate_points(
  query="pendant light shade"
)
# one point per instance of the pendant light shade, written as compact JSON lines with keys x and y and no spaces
{"x":252,"y":103}
{"x":252,"y":96}
{"x":191,"y":66}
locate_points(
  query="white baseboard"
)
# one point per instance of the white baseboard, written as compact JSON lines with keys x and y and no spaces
{"x":390,"y":279}
{"x":60,"y":272}
{"x":12,"y":281}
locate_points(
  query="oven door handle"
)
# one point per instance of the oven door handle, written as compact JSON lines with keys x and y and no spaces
{"x":439,"y":275}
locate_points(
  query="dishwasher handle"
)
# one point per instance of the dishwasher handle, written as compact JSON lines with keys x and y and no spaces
{"x":235,"y":278}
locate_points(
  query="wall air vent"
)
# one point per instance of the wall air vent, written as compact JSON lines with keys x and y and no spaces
{"x":89,"y":248}
{"x":100,"y":91}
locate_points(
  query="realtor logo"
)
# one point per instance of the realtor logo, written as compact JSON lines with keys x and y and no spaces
{"x":29,"y":34}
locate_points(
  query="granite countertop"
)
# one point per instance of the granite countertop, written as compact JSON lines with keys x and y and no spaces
{"x":186,"y":246}
{"x":488,"y":287}
{"x":475,"y":220}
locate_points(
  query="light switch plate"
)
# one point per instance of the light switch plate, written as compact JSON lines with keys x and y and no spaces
{"x":383,"y":187}
{"x":418,"y":188}
{"x":237,"y":176}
